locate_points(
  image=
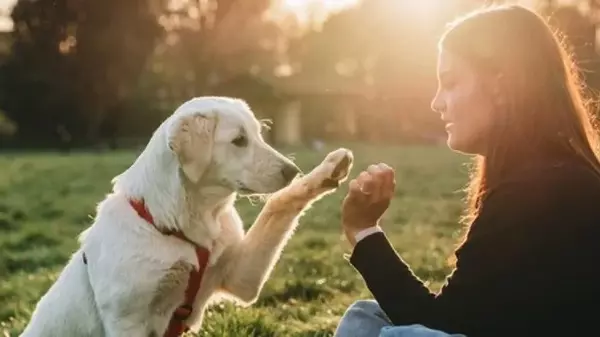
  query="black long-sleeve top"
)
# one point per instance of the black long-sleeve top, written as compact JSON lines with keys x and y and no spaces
{"x":530,"y":264}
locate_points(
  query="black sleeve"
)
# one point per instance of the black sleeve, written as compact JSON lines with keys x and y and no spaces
{"x":500,"y":235}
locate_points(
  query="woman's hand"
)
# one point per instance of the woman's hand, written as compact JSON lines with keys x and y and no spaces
{"x":368,"y":198}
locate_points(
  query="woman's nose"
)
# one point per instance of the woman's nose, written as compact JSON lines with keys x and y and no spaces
{"x":437,"y":104}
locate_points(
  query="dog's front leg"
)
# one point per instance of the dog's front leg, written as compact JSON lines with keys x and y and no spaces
{"x":252,"y":261}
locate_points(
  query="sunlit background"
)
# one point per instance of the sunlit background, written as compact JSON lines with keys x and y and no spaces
{"x":79,"y":74}
{"x":305,"y":10}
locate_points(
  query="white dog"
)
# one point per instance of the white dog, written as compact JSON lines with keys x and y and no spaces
{"x":174,"y":207}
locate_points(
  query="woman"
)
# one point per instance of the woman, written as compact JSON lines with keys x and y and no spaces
{"x":529,"y":263}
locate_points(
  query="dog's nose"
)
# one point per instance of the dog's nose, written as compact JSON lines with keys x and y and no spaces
{"x":290,"y":171}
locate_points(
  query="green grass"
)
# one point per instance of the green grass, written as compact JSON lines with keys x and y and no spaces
{"x":46,"y":200}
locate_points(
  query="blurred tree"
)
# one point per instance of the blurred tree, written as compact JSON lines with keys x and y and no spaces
{"x":73,"y":65}
{"x":210,"y":43}
{"x":83,"y":71}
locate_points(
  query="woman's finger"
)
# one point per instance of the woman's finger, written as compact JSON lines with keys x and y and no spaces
{"x":366,"y":184}
{"x":354,"y":187}
{"x":389,"y":181}
{"x":375,"y":182}
{"x":369,"y":187}
{"x":354,"y":192}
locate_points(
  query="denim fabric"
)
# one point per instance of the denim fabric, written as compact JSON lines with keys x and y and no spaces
{"x":415,"y":330}
{"x":362,"y":319}
{"x":366,"y":319}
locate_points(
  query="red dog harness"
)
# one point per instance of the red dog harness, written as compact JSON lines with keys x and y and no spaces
{"x":177,"y":324}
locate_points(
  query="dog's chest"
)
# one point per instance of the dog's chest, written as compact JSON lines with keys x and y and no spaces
{"x":230,"y":233}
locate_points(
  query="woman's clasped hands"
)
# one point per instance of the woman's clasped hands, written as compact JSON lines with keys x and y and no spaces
{"x":369,"y":196}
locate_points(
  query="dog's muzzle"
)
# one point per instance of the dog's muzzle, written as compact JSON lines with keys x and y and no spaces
{"x":289,"y":172}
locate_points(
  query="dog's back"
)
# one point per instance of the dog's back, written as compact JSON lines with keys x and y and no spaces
{"x":74,"y":293}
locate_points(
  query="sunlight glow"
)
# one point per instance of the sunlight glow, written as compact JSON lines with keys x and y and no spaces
{"x":422,"y":8}
{"x":6,"y":23}
{"x":304,"y":10}
{"x":300,"y":6}
{"x":309,"y":11}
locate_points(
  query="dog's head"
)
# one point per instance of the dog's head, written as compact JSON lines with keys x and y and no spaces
{"x":217,"y":142}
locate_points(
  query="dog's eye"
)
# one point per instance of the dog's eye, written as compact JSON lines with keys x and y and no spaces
{"x":240,"y":141}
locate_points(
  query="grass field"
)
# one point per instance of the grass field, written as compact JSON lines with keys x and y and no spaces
{"x":47,"y":199}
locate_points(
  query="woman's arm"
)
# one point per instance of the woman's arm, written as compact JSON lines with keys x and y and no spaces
{"x":500,"y":245}
{"x":389,"y":278}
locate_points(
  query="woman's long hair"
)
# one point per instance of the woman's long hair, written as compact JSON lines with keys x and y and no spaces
{"x":544,"y":115}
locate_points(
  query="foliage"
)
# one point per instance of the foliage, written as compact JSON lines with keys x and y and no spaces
{"x":72,"y":66}
{"x":81,"y":73}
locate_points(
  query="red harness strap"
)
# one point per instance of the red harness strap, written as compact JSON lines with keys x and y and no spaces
{"x":177,"y":324}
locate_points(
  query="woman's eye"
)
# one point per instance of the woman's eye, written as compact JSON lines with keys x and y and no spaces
{"x":240,"y":141}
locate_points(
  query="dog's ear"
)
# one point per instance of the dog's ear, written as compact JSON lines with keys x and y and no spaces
{"x":192,"y":142}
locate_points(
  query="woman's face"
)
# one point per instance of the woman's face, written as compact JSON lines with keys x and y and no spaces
{"x":464,"y":104}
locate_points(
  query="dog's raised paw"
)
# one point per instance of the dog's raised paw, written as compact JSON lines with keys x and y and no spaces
{"x":335,"y":168}
{"x":323,"y":179}
{"x":343,"y":159}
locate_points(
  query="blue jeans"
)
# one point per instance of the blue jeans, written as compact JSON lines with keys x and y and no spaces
{"x":366,"y":319}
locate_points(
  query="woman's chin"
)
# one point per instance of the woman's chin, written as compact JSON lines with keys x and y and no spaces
{"x":458,"y":145}
{"x":452,"y":143}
